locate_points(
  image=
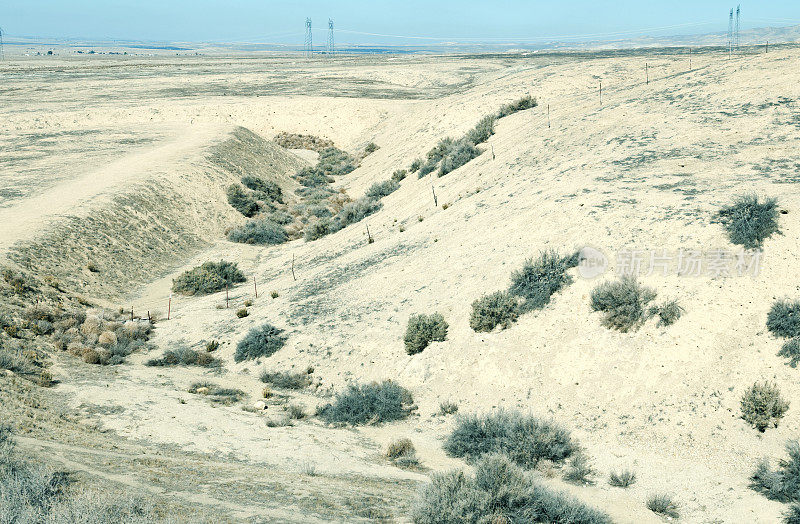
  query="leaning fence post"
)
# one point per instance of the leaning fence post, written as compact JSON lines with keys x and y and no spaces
{"x":169,"y":306}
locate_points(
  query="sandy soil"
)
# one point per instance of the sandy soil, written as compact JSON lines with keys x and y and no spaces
{"x":645,"y":170}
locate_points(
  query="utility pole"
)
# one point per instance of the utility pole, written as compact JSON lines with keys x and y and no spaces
{"x":738,"y":16}
{"x":331,"y":47}
{"x":309,"y":46}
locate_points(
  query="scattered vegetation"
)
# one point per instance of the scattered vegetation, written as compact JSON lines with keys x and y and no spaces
{"x":217,"y":394}
{"x":499,"y":492}
{"x":399,"y":175}
{"x":541,"y":278}
{"x":482,"y":131}
{"x":459,"y":154}
{"x":415,"y":165}
{"x":262,"y":341}
{"x":783,"y":483}
{"x":497,"y":309}
{"x":523,"y":438}
{"x":262,"y":231}
{"x":749,"y":221}
{"x":526,"y":102}
{"x":580,"y":469}
{"x":448,"y":407}
{"x":668,"y":313}
{"x":357,"y":211}
{"x":763,"y":406}
{"x":783,"y":320}
{"x":296,"y":412}
{"x":184,"y":356}
{"x":208,"y":278}
{"x":286,"y":380}
{"x":298,"y":141}
{"x":624,"y":303}
{"x":266,"y":189}
{"x":663,"y":505}
{"x":623,"y":479}
{"x":422,"y":330}
{"x":369,"y":404}
{"x":35,"y":493}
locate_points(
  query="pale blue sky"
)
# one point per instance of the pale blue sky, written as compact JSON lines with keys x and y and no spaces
{"x":428,"y":20}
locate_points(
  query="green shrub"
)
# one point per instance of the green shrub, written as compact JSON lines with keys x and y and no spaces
{"x":580,"y":470}
{"x":783,"y":320}
{"x":448,"y":407}
{"x":499,"y":492}
{"x":782,"y":484}
{"x":792,"y":515}
{"x":540,"y":279}
{"x":427,"y":167}
{"x":624,"y":479}
{"x":296,"y":412}
{"x":422,"y":330}
{"x":624,"y":303}
{"x":791,"y":350}
{"x":286,"y":380}
{"x":242,"y":312}
{"x":208,"y":278}
{"x":259,"y":231}
{"x":369,"y":404}
{"x":439,"y":151}
{"x":489,"y":311}
{"x":663,"y":505}
{"x":183,"y":356}
{"x":318,"y":229}
{"x":668,"y":313}
{"x":482,"y":130}
{"x":268,"y":189}
{"x":241,"y":201}
{"x":763,"y":406}
{"x":281,"y":217}
{"x":526,"y":102}
{"x":524,"y":438}
{"x":262,"y":341}
{"x":399,"y":175}
{"x":371,"y":148}
{"x":379,"y":190}
{"x":458,"y":155}
{"x":749,"y":221}
{"x":358,"y":211}
{"x":14,"y":361}
{"x":415,"y":165}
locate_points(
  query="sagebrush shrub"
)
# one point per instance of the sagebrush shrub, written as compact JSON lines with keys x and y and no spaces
{"x":358,"y":211}
{"x":580,"y":469}
{"x":458,"y":155}
{"x":497,"y":309}
{"x":663,"y":505}
{"x":783,"y":319}
{"x":482,"y":130}
{"x":318,"y":229}
{"x":623,"y":479}
{"x":791,"y":350}
{"x":750,"y":221}
{"x":415,"y":165}
{"x":267,"y":189}
{"x":183,"y":356}
{"x":526,"y":102}
{"x":216,"y":393}
{"x":242,"y":201}
{"x":286,"y":380}
{"x":783,"y":483}
{"x":369,"y":404}
{"x":762,"y":405}
{"x":379,"y":190}
{"x":258,"y":231}
{"x":540,"y":278}
{"x":448,"y":407}
{"x":15,"y":361}
{"x":400,"y":448}
{"x":262,"y":341}
{"x":422,"y":330}
{"x":399,"y":175}
{"x":624,"y":303}
{"x":371,"y":147}
{"x":498,"y":492}
{"x":208,"y":278}
{"x":668,"y":313}
{"x":524,"y":438}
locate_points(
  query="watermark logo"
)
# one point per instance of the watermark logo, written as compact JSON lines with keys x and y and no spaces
{"x":593,"y":263}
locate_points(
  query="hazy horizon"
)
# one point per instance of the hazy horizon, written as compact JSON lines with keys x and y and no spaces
{"x":392,"y":23}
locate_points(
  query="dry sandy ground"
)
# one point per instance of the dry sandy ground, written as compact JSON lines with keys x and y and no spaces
{"x":645,"y":170}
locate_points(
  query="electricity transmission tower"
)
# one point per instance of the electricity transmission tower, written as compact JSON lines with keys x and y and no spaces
{"x":738,"y":15}
{"x":309,"y":46}
{"x":730,"y":33}
{"x":331,"y":46}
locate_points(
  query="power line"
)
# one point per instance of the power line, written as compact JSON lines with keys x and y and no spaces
{"x":331,"y":45}
{"x":309,"y":45}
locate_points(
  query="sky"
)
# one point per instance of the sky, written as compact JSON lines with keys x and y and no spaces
{"x":399,"y":22}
